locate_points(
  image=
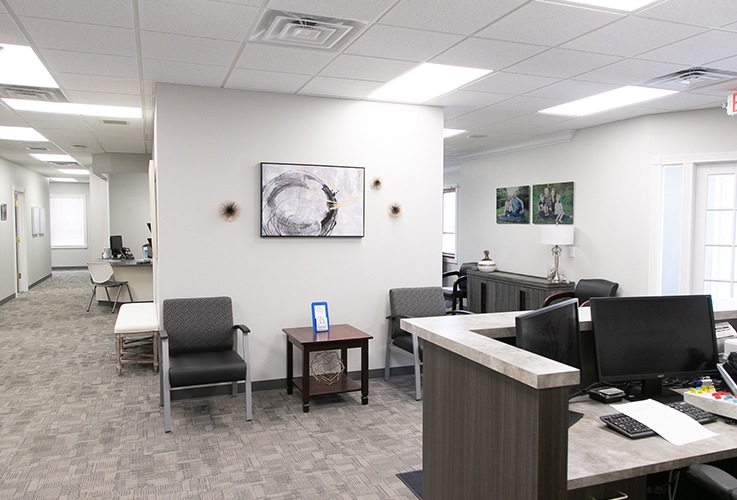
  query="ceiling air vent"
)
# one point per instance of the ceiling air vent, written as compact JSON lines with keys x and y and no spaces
{"x":32,"y":93}
{"x":37,"y":149}
{"x":64,"y":164}
{"x":107,"y":121}
{"x":691,"y":78}
{"x":305,"y":31}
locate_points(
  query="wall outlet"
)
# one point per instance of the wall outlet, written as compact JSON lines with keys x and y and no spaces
{"x":571,"y":251}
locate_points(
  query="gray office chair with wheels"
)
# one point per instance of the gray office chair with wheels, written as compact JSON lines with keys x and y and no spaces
{"x":412,"y":303}
{"x":718,"y":483}
{"x":199,"y":346}
{"x":102,"y":275}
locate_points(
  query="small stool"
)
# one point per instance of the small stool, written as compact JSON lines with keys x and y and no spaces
{"x":136,"y":335}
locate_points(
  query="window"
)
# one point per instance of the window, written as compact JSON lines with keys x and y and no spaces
{"x":68,"y":221}
{"x":450,"y":217}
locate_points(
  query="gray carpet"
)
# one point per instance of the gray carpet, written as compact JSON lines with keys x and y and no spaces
{"x":71,"y":428}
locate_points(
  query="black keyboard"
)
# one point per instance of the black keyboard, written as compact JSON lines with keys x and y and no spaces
{"x":633,"y":429}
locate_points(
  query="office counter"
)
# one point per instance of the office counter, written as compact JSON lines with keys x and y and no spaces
{"x":495,"y":421}
{"x":140,"y":278}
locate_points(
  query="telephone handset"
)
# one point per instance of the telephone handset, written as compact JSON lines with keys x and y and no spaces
{"x":127,"y":254}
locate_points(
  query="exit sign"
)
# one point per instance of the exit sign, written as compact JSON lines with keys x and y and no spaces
{"x":732,"y":104}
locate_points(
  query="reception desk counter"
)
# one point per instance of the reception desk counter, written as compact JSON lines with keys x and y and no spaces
{"x":495,"y":421}
{"x":139,"y":276}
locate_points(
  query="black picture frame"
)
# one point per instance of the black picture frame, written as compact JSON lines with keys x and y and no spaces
{"x":312,"y":201}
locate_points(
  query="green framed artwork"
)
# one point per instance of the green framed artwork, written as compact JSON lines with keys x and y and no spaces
{"x":552,"y":203}
{"x":513,"y":205}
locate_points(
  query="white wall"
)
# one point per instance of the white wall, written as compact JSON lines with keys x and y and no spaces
{"x":611,"y":168}
{"x":38,"y":248}
{"x":129,"y":209}
{"x":209,"y":144}
{"x":72,"y":257}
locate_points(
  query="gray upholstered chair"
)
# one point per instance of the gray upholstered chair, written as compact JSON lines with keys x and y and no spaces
{"x":584,"y":290}
{"x":718,"y":483}
{"x":102,"y":275}
{"x":457,"y":292}
{"x":412,"y":303}
{"x":199,"y":346}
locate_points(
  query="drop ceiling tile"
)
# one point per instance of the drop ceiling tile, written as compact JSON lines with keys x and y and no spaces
{"x":683,"y":101}
{"x":562,"y":63}
{"x":183,"y":73}
{"x":405,"y":44}
{"x":266,"y":57}
{"x":365,"y":68}
{"x":93,"y":64}
{"x":188,"y":49}
{"x":78,"y":37}
{"x":249,"y":79}
{"x":547,"y":24}
{"x":468,"y":99}
{"x":525,"y":104}
{"x":104,"y":98}
{"x":252,"y":3}
{"x":511,"y":83}
{"x":571,"y":90}
{"x":84,"y":11}
{"x":339,"y":87}
{"x":9,"y":32}
{"x":463,"y":17}
{"x":699,"y":50}
{"x":705,"y":13}
{"x":632,"y":36}
{"x":630,"y":72}
{"x":488,"y":54}
{"x":218,"y":20}
{"x":113,"y":85}
{"x":357,"y":10}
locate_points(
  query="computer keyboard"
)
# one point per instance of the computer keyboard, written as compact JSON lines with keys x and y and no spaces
{"x":633,"y":429}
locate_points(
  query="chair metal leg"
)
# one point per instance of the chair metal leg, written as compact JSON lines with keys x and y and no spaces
{"x":94,"y":289}
{"x":167,"y":406}
{"x":249,"y":402}
{"x":418,"y":372}
{"x":388,"y":356}
{"x":117,"y":296}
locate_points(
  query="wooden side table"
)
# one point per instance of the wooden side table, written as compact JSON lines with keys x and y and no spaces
{"x":341,"y":337}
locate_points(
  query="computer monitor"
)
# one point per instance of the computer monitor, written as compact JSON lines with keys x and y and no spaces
{"x":116,"y":246}
{"x":650,"y":339}
{"x":551,"y":332}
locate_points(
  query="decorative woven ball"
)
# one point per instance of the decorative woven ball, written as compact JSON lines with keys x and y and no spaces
{"x":326,"y":367}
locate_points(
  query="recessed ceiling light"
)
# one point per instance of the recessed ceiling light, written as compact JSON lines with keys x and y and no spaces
{"x":69,"y":108}
{"x":62,"y":179}
{"x":605,"y":101}
{"x":52,"y":157}
{"x":623,"y":5}
{"x":21,"y":134}
{"x":427,"y":81}
{"x":452,"y":132}
{"x":74,"y":171}
{"x":19,"y":65}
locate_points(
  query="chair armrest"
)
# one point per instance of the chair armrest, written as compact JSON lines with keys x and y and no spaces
{"x":242,"y":328}
{"x":396,"y":316}
{"x":448,"y":274}
{"x":459,"y":311}
{"x":163,"y":335}
{"x":457,"y":283}
{"x":557,"y":296}
{"x":712,"y":479}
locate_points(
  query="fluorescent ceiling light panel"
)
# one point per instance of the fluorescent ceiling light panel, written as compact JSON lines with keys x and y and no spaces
{"x":70,"y":108}
{"x":452,"y":132}
{"x":623,"y":5}
{"x":19,"y":65}
{"x":74,"y":171}
{"x":605,"y":101}
{"x":62,"y":179}
{"x":52,"y":157}
{"x":427,"y":81}
{"x":21,"y":134}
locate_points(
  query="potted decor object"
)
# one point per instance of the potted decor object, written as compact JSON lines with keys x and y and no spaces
{"x":486,"y":265}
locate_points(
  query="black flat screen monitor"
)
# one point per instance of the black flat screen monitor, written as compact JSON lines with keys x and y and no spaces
{"x":116,"y":246}
{"x":649,"y":339}
{"x":551,"y":332}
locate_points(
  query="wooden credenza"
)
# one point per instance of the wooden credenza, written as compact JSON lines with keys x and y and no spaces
{"x":499,"y":291}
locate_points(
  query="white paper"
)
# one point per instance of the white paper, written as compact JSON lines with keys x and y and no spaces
{"x":671,"y":424}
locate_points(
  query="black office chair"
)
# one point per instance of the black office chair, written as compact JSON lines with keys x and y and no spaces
{"x":412,"y":303}
{"x":458,"y":290}
{"x":584,"y":290}
{"x":199,"y":346}
{"x":718,"y":483}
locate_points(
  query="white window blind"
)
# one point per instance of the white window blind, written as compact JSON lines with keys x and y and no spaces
{"x":449,"y":222}
{"x":68,"y":221}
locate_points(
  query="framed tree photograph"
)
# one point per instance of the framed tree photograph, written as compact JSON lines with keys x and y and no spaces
{"x":303,"y":200}
{"x":513,"y":205}
{"x":552,"y":203}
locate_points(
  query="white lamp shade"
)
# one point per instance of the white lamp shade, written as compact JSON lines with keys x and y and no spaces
{"x":557,"y":234}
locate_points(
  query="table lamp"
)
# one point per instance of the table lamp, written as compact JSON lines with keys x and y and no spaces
{"x":556,"y":235}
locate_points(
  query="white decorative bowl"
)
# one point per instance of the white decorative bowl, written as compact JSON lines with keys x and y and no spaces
{"x":487,"y":266}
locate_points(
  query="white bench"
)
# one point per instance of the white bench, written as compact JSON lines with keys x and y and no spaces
{"x":137,"y":335}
